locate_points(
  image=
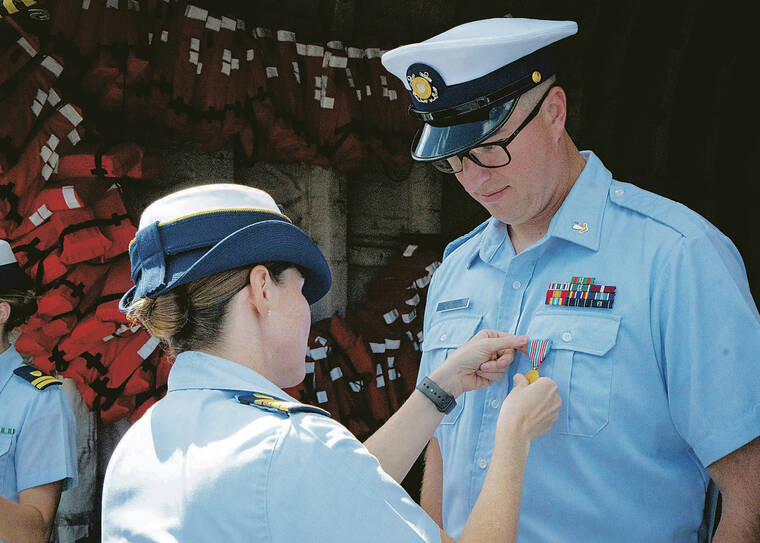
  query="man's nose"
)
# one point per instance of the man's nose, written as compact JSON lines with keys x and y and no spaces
{"x":472,"y":176}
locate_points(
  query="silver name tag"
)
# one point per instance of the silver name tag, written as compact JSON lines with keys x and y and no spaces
{"x":451,"y":305}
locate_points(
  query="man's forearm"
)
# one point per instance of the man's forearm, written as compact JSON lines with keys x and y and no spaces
{"x":21,"y":523}
{"x":738,"y":524}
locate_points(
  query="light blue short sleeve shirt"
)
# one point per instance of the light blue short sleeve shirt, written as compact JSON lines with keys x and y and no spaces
{"x":654,"y":389}
{"x":37,"y":433}
{"x":201,"y":466}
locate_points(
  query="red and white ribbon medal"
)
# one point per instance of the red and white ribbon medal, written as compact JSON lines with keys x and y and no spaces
{"x":537,"y":351}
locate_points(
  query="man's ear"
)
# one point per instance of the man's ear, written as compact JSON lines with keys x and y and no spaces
{"x":260,"y":289}
{"x":555,"y":107}
{"x":5,"y":312}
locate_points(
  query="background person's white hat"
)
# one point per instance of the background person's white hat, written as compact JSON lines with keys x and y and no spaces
{"x":466,"y":81}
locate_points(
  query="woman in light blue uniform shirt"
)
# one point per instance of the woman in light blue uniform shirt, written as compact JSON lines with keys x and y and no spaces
{"x":225,"y":279}
{"x":37,"y":428}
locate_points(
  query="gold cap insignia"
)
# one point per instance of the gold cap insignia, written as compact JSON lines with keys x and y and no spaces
{"x":422,"y":87}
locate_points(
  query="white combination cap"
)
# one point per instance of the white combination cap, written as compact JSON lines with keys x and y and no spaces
{"x":465,"y":82}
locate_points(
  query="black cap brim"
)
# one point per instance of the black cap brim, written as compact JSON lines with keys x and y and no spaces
{"x":438,"y":142}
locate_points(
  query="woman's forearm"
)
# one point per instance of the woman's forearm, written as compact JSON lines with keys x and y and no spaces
{"x":398,"y":443}
{"x":496,"y":514}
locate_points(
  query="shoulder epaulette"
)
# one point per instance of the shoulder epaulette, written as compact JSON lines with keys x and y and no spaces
{"x":672,"y":214}
{"x":36,"y":377}
{"x":278,"y":405}
{"x":454,"y":245}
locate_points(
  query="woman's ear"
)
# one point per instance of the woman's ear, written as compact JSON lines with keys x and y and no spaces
{"x":5,"y":312}
{"x":260,"y":289}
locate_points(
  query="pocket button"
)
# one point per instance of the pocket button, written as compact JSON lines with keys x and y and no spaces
{"x":567,"y":336}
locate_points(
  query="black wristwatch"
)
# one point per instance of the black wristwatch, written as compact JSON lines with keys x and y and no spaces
{"x":443,"y":401}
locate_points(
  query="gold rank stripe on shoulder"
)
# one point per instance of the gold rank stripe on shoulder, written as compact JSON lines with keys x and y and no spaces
{"x":271,"y":403}
{"x":36,"y":378}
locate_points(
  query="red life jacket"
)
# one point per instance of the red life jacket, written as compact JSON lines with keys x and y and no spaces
{"x":34,"y":343}
{"x":116,"y":225}
{"x":107,"y":366}
{"x":87,"y":35}
{"x":122,"y":160}
{"x":26,"y":97}
{"x":185,"y":70}
{"x":78,"y":290}
{"x":17,"y":55}
{"x":40,"y":157}
{"x":120,"y":25}
{"x":357,"y":351}
{"x":59,"y":326}
{"x":119,"y":281}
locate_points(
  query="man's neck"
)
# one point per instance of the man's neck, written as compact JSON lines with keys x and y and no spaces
{"x":525,"y":234}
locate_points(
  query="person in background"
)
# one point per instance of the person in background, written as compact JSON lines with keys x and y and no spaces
{"x":38,"y":457}
{"x":225,"y":280}
{"x":642,"y":308}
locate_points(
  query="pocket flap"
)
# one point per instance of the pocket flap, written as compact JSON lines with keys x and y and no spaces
{"x":5,"y":443}
{"x":592,"y":334}
{"x":451,"y":333}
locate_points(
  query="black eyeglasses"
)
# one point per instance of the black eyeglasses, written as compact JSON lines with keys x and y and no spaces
{"x":493,"y":154}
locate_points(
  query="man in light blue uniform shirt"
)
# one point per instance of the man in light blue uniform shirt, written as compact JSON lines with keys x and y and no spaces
{"x":656,"y":361}
{"x":38,"y":456}
{"x":255,"y":466}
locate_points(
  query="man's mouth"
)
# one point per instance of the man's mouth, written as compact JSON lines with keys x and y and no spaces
{"x":493,"y":196}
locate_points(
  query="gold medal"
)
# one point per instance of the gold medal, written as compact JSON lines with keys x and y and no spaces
{"x":537,"y":351}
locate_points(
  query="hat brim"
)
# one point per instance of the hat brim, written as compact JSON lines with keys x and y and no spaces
{"x":266,"y":241}
{"x":12,"y":277}
{"x":439,"y":142}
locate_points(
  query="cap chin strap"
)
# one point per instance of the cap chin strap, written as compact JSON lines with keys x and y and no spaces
{"x":454,"y":115}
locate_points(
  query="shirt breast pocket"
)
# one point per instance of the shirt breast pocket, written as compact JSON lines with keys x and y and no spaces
{"x":580,"y":365}
{"x":441,"y":340}
{"x":6,"y":457}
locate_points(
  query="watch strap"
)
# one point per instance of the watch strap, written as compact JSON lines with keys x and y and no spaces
{"x":442,"y":400}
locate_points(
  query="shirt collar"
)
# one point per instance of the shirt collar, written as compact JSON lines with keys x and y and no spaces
{"x":197,"y":370}
{"x":579,"y":220}
{"x":9,"y":361}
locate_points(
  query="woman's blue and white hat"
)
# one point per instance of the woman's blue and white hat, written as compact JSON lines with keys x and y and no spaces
{"x":12,"y":277}
{"x":465,"y":82}
{"x":208,"y":229}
